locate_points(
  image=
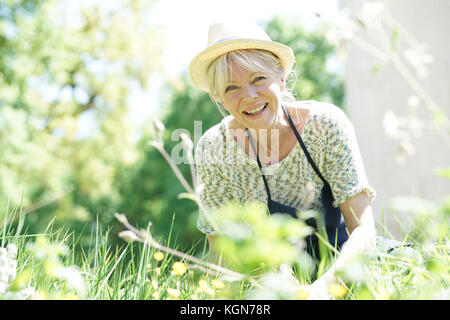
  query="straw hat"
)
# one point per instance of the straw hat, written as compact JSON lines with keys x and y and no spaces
{"x":223,"y":38}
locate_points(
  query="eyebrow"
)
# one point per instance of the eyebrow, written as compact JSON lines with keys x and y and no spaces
{"x":250,"y":76}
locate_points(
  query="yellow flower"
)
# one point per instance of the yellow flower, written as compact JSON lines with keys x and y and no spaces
{"x":382,"y":294}
{"x":40,"y":295}
{"x":155,"y":295}
{"x":69,"y":296}
{"x":174,"y":293}
{"x":302,"y":294}
{"x":179,"y":268}
{"x":203,"y":287}
{"x":158,"y":256}
{"x":218,"y":284}
{"x":337,"y":290}
{"x":203,"y":284}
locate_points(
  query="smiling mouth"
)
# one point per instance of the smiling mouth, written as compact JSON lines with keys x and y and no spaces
{"x":256,"y":111}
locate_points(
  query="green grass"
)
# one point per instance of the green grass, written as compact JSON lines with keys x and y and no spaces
{"x":46,"y":262}
{"x":57,"y":266}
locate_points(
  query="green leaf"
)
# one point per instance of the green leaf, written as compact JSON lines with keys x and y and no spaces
{"x":395,"y":35}
{"x":442,"y":172}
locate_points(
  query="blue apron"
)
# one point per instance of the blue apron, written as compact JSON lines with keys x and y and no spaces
{"x":334,"y":220}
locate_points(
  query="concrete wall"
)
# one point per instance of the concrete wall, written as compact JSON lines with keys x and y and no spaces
{"x":369,"y":96}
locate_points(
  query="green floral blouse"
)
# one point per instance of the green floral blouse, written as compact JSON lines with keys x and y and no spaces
{"x":225,"y":172}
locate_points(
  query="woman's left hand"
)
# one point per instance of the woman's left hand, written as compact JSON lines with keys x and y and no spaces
{"x":318,"y":290}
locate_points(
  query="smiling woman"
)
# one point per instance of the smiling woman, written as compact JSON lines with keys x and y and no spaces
{"x":291,"y":155}
{"x":249,"y":84}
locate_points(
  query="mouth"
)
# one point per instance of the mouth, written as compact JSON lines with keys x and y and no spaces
{"x":257,"y":111}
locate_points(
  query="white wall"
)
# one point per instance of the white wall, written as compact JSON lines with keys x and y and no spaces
{"x":369,"y":96}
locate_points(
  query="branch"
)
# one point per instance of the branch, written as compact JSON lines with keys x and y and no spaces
{"x":147,"y":239}
{"x":174,"y":168}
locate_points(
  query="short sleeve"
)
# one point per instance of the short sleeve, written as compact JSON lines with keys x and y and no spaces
{"x":213,"y":185}
{"x":344,"y":169}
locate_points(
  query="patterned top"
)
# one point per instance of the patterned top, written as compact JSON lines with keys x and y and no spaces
{"x":228,"y":173}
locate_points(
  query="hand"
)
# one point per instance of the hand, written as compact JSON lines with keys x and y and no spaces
{"x":318,"y":290}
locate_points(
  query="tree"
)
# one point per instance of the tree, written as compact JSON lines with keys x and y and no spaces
{"x":57,"y":68}
{"x":312,"y":54}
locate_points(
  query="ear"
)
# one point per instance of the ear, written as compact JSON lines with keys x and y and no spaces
{"x":283,"y":84}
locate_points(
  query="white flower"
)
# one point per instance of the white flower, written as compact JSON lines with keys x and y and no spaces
{"x":4,"y":277}
{"x":413,"y":101}
{"x":415,"y":126}
{"x":8,"y":272}
{"x":73,"y":278}
{"x":390,"y":124}
{"x":418,"y":58}
{"x":276,"y":285}
{"x":3,"y":287}
{"x":406,"y":147}
{"x":12,"y":250}
{"x":12,"y":264}
{"x":343,"y":27}
{"x":27,"y":293}
{"x":3,"y":260}
{"x":370,"y":13}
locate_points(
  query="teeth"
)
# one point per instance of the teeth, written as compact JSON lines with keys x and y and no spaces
{"x":257,"y":109}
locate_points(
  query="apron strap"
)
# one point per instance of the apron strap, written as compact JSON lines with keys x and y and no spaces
{"x":308,"y":156}
{"x":269,"y":198}
{"x":302,"y":144}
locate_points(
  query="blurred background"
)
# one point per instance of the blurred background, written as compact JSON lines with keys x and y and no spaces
{"x":81,"y":83}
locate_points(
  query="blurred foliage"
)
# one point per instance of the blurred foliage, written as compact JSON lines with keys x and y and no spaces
{"x":253,"y":242}
{"x":313,"y":57}
{"x":63,"y":62}
{"x":64,"y":65}
{"x":152,"y":187}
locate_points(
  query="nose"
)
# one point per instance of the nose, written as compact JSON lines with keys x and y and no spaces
{"x":249,"y":91}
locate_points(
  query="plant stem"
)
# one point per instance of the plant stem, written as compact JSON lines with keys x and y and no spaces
{"x":175,"y":169}
{"x":148,"y":240}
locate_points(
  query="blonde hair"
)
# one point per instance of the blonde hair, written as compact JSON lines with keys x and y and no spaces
{"x":253,"y":60}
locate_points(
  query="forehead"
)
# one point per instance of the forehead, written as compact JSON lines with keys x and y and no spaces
{"x":236,"y":72}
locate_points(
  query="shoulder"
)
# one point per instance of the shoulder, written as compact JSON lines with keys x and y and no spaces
{"x":327,"y":116}
{"x":326,"y":112}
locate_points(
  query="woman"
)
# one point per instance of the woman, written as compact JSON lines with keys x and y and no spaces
{"x":292,"y":155}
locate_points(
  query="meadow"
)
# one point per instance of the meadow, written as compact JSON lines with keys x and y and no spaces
{"x":74,"y":171}
{"x":52,"y":265}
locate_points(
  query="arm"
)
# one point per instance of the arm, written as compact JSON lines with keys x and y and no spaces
{"x":344,"y":170}
{"x":362,"y":240}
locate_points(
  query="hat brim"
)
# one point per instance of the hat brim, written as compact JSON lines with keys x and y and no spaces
{"x":198,"y":68}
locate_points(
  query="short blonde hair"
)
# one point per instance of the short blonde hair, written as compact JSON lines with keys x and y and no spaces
{"x":253,"y":60}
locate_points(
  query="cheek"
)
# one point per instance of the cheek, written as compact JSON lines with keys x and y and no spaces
{"x":274,"y":89}
{"x":231,"y":101}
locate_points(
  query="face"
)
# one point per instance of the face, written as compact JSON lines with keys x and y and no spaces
{"x":253,"y":98}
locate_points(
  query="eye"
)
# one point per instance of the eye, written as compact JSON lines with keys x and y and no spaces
{"x":259,"y":79}
{"x":230,"y":88}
